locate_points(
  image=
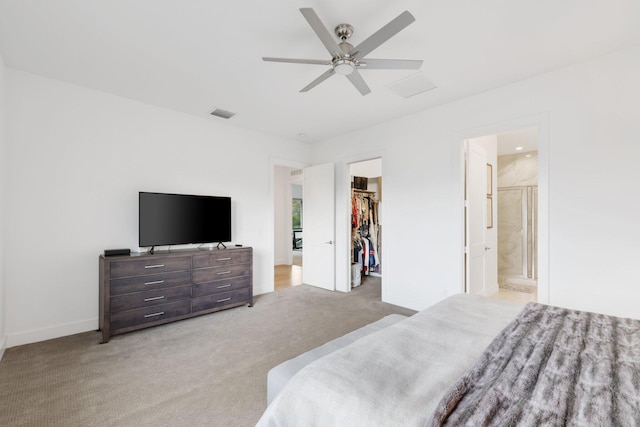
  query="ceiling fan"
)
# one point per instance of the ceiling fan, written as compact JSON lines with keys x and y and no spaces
{"x":347,"y":59}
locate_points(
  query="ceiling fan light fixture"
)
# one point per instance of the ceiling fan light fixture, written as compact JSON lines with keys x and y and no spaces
{"x":344,"y":66}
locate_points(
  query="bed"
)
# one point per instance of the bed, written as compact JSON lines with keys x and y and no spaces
{"x":472,"y":360}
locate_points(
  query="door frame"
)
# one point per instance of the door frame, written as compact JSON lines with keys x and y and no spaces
{"x":541,"y":121}
{"x":343,"y":217}
{"x":273,"y":162}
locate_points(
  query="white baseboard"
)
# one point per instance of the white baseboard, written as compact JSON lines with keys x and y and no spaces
{"x":3,"y":346}
{"x":36,"y":335}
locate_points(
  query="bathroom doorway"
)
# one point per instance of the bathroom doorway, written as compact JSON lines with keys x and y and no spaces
{"x":517,"y":178}
{"x":502,"y":259}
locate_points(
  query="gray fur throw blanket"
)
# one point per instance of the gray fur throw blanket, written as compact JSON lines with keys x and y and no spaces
{"x":551,"y":367}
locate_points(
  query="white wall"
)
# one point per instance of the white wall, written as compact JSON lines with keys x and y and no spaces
{"x":76,"y":159}
{"x":592,"y":155}
{"x":3,"y":170}
{"x":368,"y":169}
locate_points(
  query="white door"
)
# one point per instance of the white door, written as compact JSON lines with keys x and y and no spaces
{"x":476,"y":216}
{"x":318,"y":230}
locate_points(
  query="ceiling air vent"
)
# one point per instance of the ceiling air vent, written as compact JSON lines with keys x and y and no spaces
{"x":222,"y":113}
{"x":412,"y":85}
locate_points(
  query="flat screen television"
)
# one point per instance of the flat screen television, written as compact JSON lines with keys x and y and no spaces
{"x":175,"y":219}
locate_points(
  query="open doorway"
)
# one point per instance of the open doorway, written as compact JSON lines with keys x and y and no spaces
{"x":366,"y":223}
{"x":288,"y":226}
{"x":517,"y":191}
{"x":501,"y":215}
{"x":297,"y":222}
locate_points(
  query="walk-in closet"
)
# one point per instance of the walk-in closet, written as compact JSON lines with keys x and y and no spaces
{"x":366,"y":224}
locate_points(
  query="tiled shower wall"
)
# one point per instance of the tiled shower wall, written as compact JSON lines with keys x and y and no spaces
{"x":517,"y":218}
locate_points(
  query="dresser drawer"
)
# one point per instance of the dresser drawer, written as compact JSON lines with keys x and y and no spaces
{"x":222,"y":257}
{"x":220,"y":300}
{"x":202,"y":275}
{"x":149,"y":314}
{"x":149,"y":298}
{"x":218,"y":286}
{"x":149,"y":265}
{"x":150,"y":282}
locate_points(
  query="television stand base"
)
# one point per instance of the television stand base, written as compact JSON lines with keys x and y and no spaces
{"x":221,"y":244}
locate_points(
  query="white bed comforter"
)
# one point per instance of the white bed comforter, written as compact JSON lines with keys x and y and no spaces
{"x":396,"y":376}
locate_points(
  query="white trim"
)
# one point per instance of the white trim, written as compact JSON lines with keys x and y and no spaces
{"x":3,"y":347}
{"x":37,"y":335}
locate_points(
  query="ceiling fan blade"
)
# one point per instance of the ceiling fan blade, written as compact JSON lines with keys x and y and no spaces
{"x":390,"y":64}
{"x":324,"y":76}
{"x":298,"y":61}
{"x":321,"y":31}
{"x":356,"y":79}
{"x":382,"y":35}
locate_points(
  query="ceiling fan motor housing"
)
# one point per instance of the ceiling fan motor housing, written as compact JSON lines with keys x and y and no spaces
{"x":346,"y":48}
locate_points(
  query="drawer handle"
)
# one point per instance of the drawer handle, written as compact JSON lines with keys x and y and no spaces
{"x":223,"y":300}
{"x":223,"y":259}
{"x":153,"y":298}
{"x":224,"y":272}
{"x":154,"y":266}
{"x":155,"y":282}
{"x":160,"y":313}
{"x":224,"y":286}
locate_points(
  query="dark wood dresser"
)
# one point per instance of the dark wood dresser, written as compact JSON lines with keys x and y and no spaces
{"x":142,"y":290}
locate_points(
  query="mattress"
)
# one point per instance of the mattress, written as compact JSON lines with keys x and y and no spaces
{"x":397,"y":375}
{"x":279,"y":376}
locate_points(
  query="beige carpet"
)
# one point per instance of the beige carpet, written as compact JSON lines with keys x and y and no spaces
{"x":209,"y":370}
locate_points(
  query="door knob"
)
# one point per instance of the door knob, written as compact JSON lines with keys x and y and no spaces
{"x":330,"y":242}
{"x":486,"y":248}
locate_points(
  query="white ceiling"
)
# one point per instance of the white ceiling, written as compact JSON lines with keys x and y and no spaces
{"x":525,"y":139}
{"x":197,"y":55}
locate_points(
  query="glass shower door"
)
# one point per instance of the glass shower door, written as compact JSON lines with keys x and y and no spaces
{"x":517,"y":233}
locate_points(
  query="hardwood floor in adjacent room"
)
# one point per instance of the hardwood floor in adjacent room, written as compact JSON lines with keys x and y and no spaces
{"x":287,"y":276}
